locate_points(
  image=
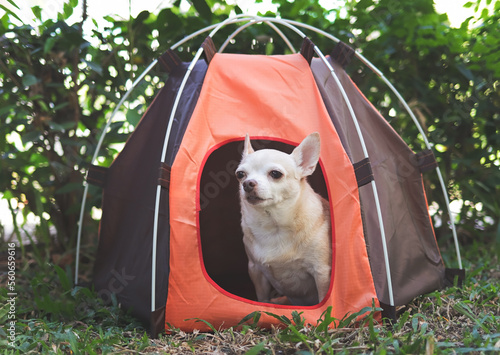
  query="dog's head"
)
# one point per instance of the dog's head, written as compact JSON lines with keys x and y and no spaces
{"x":268,"y":177}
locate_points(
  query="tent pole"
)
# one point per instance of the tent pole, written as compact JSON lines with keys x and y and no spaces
{"x":158,"y":188}
{"x":94,"y":158}
{"x":254,"y":21}
{"x":373,"y":183}
{"x":427,"y":144}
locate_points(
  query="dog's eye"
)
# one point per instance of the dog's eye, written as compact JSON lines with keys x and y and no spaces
{"x":240,"y":175}
{"x":275,"y":174}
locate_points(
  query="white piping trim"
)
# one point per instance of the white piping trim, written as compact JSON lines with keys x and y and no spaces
{"x":94,"y":158}
{"x":373,"y":183}
{"x":270,"y":24}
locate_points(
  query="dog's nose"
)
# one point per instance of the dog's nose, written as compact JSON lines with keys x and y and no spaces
{"x":249,"y":185}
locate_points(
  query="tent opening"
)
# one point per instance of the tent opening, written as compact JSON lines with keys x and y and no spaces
{"x":221,"y":238}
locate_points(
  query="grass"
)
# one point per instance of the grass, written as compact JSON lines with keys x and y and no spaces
{"x":53,"y":317}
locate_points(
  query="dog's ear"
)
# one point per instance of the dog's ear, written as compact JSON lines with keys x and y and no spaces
{"x":247,"y":148}
{"x":306,"y":155}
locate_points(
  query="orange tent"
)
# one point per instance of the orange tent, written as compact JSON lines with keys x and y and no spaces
{"x":170,"y":241}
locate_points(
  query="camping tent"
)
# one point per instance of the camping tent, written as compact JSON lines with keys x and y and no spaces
{"x":170,"y":242}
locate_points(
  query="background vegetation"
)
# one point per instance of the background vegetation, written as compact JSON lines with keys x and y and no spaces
{"x":59,"y":83}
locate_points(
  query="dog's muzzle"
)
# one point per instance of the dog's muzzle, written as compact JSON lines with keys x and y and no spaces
{"x":249,"y":185}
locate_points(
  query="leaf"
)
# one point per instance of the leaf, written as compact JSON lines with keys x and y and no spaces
{"x":66,"y":283}
{"x":93,"y":66}
{"x":254,"y":316}
{"x":10,"y":12}
{"x":49,"y":44}
{"x":73,"y":186}
{"x":37,"y":11}
{"x":257,"y":349}
{"x":284,"y":319}
{"x":203,"y":9}
{"x":204,"y":321}
{"x":29,"y":80}
{"x":29,"y":137}
{"x":68,"y":10}
{"x":12,"y":2}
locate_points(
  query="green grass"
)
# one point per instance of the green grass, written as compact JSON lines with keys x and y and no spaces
{"x":53,"y":317}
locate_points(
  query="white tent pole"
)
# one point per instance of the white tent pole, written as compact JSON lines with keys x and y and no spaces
{"x":373,"y":183}
{"x":158,"y":188}
{"x":94,"y":158}
{"x":427,"y":144}
{"x":254,"y":21}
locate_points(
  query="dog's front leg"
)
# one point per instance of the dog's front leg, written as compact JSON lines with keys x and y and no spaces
{"x":322,"y":279}
{"x":263,"y":287}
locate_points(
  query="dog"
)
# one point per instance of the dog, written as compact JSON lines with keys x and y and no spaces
{"x":286,"y":225}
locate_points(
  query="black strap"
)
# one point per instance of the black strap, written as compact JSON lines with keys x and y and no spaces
{"x":164,"y":176}
{"x":307,"y":49}
{"x":209,"y":49}
{"x":389,"y":315}
{"x":451,"y":274}
{"x":426,"y":160}
{"x":169,"y":61}
{"x":363,"y":171}
{"x":342,"y":54}
{"x":97,"y":175}
{"x":157,"y":322}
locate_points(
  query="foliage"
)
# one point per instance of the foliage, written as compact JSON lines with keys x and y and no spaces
{"x":53,"y":317}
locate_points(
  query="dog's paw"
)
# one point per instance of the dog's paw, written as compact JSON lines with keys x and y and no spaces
{"x":280,"y":300}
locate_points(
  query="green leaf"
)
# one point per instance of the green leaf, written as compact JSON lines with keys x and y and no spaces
{"x":93,"y":66}
{"x":73,"y":186}
{"x":284,"y":319}
{"x":29,"y":80}
{"x":66,"y":283}
{"x":12,"y":2}
{"x":68,"y":10}
{"x":133,"y":117}
{"x":254,"y":316}
{"x":257,"y":349}
{"x":10,"y":12}
{"x":204,"y":321}
{"x":61,"y":127}
{"x":30,"y":137}
{"x":37,"y":11}
{"x":49,"y":44}
{"x":203,"y":9}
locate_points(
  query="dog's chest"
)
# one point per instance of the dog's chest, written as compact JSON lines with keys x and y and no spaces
{"x":294,"y":279}
{"x":279,"y":255}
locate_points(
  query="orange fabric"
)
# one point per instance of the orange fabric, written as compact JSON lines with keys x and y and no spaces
{"x":271,"y":97}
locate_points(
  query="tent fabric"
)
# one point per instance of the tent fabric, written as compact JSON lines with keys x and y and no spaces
{"x":201,"y":266}
{"x":259,"y":95}
{"x":123,"y":260}
{"x":414,"y":258}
